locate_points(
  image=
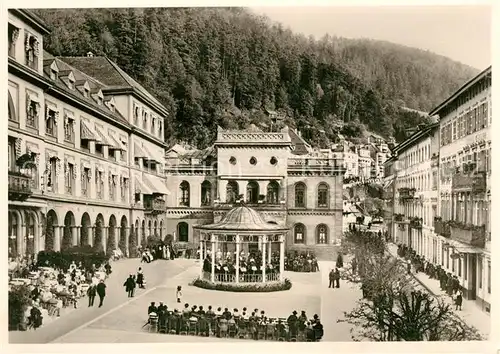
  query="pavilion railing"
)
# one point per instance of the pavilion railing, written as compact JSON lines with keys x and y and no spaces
{"x":244,"y":278}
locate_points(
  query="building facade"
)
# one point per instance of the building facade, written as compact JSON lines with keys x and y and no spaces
{"x":464,"y":222}
{"x":442,"y":199}
{"x":85,"y":150}
{"x":416,"y":191}
{"x":264,"y":170}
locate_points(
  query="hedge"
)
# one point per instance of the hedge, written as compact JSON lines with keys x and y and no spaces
{"x":84,"y":254}
{"x":243,"y":287}
{"x":19,"y":299}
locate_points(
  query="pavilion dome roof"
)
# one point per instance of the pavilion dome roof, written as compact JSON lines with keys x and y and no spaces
{"x":243,"y":218}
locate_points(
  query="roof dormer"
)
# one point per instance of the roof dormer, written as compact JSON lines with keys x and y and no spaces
{"x":110,"y":102}
{"x":98,"y":96}
{"x":51,"y":69}
{"x":84,"y":87}
{"x":68,"y":78}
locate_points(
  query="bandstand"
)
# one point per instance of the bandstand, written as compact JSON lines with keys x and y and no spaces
{"x":230,"y":248}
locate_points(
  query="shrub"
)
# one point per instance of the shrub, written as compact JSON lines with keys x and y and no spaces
{"x":243,"y":287}
{"x":19,"y":299}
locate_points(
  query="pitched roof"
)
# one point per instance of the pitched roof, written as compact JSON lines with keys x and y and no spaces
{"x":299,"y":144}
{"x":108,"y":72}
{"x":79,"y":76}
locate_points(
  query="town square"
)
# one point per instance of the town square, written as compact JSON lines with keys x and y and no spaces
{"x":173,"y":177}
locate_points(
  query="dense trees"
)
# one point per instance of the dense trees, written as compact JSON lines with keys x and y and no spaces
{"x":391,"y":308}
{"x":224,"y":66}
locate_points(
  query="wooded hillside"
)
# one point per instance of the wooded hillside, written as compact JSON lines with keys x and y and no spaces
{"x":225,"y":66}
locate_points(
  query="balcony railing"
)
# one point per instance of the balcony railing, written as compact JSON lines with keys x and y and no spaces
{"x":243,"y":277}
{"x":19,"y":186}
{"x":154,"y":206}
{"x":407,"y":193}
{"x":230,"y":205}
{"x":469,"y":234}
{"x":475,"y":183}
{"x":442,"y":227}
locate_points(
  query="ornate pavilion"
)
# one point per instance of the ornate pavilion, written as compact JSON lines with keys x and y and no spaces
{"x":230,"y":244}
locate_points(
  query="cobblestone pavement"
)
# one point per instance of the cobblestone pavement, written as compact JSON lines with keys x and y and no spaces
{"x":155,"y":273}
{"x":123,"y":325}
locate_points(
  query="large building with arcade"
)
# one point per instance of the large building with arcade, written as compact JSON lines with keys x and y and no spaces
{"x":85,"y":149}
{"x":274,"y":172}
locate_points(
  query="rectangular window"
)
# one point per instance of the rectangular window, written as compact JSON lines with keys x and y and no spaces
{"x":123,"y":189}
{"x":99,"y":150}
{"x":454,"y":130}
{"x":69,"y":178}
{"x":99,"y":181}
{"x":52,"y":176}
{"x":69,"y":129}
{"x":489,"y":277}
{"x":32,"y":113}
{"x":13,"y":36}
{"x":85,"y":182}
{"x":50,"y":121}
{"x":112,"y":187}
{"x":32,"y":51}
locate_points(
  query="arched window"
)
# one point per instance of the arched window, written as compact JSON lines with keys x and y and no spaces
{"x":150,"y":228}
{"x":300,"y":195}
{"x":183,"y":231}
{"x":299,"y":234}
{"x":252,"y":192}
{"x":232,"y":191}
{"x":322,"y":234}
{"x":206,"y":193}
{"x":184,"y":194}
{"x":322,"y":195}
{"x":273,"y":191}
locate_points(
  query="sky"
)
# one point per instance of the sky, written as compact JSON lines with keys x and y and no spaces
{"x":460,"y":32}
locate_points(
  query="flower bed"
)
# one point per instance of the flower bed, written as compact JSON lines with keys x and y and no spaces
{"x":244,"y":287}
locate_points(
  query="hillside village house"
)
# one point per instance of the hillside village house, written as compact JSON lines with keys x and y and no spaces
{"x":443,"y":176}
{"x":85,"y":149}
{"x":276,"y":173}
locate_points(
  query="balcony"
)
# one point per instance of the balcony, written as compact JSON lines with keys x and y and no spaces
{"x":469,"y":234}
{"x":304,"y":165}
{"x":442,"y":227}
{"x":399,"y":218}
{"x":475,"y":183}
{"x":155,"y":206}
{"x":262,"y":205}
{"x":406,"y":193}
{"x":19,"y":186}
{"x":416,"y":223}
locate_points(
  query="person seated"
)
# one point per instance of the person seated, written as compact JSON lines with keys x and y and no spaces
{"x":236,"y":315}
{"x":35,"y":318}
{"x":223,"y":326}
{"x":226,"y":314}
{"x":210,"y":313}
{"x":186,"y":313}
{"x":152,"y":308}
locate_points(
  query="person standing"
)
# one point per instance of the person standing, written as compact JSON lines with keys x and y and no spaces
{"x":140,"y":278}
{"x":101,"y":291}
{"x":354,"y":265}
{"x":178,"y":294}
{"x":458,"y":301}
{"x":336,"y":277}
{"x":130,"y":285}
{"x":331,"y":277}
{"x":91,"y":292}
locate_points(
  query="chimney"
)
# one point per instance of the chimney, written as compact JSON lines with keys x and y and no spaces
{"x":90,"y":55}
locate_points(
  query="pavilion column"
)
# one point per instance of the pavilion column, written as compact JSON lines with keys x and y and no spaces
{"x":237,"y":258}
{"x":269,"y":252}
{"x":212,"y":274}
{"x":263,"y":258}
{"x":282,"y":256}
{"x":201,"y":256}
{"x":260,"y":244}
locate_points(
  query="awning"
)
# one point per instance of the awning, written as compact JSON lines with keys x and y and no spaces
{"x":156,"y":184}
{"x":388,"y":184}
{"x":141,"y":187}
{"x":86,"y":132}
{"x":103,"y":139}
{"x":151,"y":156}
{"x":138,"y":152}
{"x":116,"y":144}
{"x":461,"y":247}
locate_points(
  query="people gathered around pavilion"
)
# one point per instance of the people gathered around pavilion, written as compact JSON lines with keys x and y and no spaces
{"x":242,"y":323}
{"x":301,"y":262}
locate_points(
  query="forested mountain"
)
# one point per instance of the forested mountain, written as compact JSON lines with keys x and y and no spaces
{"x":225,"y":66}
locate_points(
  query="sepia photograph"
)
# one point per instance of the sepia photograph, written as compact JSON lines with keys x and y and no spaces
{"x":249,"y":174}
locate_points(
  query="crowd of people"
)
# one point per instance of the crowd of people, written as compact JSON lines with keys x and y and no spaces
{"x":301,"y":262}
{"x":53,"y":289}
{"x":222,"y":323}
{"x":447,"y":281}
{"x":250,"y":263}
